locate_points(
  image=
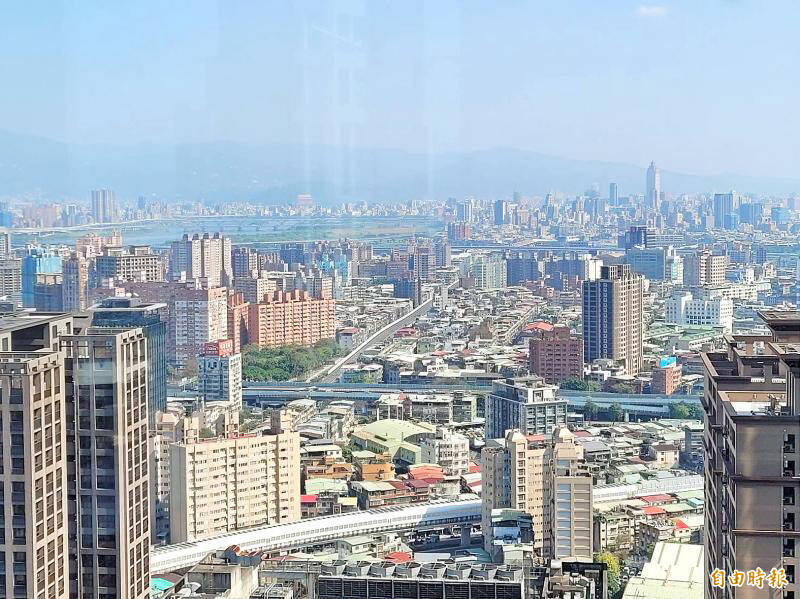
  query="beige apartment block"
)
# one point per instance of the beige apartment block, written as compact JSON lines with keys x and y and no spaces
{"x":546,"y":477}
{"x":33,"y":475}
{"x":292,"y":318}
{"x":226,"y":484}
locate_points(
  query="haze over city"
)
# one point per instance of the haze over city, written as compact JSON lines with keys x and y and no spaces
{"x":704,"y":88}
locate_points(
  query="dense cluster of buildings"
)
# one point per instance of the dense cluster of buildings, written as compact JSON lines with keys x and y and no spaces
{"x":582,"y":378}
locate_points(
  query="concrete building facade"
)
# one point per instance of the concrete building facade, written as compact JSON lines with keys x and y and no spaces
{"x":556,"y":355}
{"x":613,"y":317}
{"x":525,"y":404}
{"x":219,"y":374}
{"x":291,"y":319}
{"x":752,"y":456}
{"x":108,"y":481}
{"x":225,"y":484}
{"x":544,"y":476}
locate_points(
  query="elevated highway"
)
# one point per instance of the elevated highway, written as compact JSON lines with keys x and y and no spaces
{"x":315,"y":531}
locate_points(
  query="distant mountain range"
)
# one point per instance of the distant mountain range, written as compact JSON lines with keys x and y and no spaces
{"x":269,"y":173}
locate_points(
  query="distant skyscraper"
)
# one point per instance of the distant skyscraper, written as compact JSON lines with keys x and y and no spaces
{"x":75,"y":283}
{"x":500,"y":212}
{"x":202,"y":257}
{"x":653,"y":185}
{"x":104,"y":206}
{"x":613,"y":317}
{"x":613,"y":194}
{"x":725,"y":205}
{"x":464,"y":211}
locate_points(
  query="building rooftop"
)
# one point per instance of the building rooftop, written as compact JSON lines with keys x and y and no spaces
{"x":676,"y":569}
{"x":398,"y":429}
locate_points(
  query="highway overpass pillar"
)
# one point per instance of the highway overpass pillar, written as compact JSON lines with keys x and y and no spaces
{"x":466,"y":534}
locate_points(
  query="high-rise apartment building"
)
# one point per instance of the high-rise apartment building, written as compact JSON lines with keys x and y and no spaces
{"x":219,"y":374}
{"x":525,"y":404}
{"x":704,"y":268}
{"x":238,"y":318}
{"x":104,"y":206}
{"x":254,"y":289}
{"x":545,"y":476}
{"x":229,"y":483}
{"x":107,"y":477}
{"x":169,"y":427}
{"x":613,"y":315}
{"x":196,"y":315}
{"x":48,"y":292}
{"x":135,"y":263}
{"x":132,"y":312}
{"x":752,"y":456}
{"x":74,"y":484}
{"x":203,"y":258}
{"x":290,"y":319}
{"x":489,"y":270}
{"x":653,"y":185}
{"x":244,"y":260}
{"x":92,"y":244}
{"x":75,"y":283}
{"x":422,"y":262}
{"x":33,"y":479}
{"x":655,"y":263}
{"x":556,"y":354}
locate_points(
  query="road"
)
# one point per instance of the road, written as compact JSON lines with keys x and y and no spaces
{"x":332,"y":374}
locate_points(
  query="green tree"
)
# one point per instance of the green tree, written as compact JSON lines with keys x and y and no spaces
{"x":287,"y":362}
{"x":616,"y":411}
{"x":575,"y":384}
{"x":679,"y":410}
{"x":612,"y":563}
{"x":696,"y":411}
{"x":590,"y":409}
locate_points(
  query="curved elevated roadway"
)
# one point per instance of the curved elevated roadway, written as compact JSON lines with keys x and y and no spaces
{"x":282,"y":537}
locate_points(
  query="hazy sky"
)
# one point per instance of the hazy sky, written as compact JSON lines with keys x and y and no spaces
{"x":700,"y":86}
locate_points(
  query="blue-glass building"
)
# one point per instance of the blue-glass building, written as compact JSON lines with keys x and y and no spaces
{"x":38,"y":262}
{"x":152,"y":318}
